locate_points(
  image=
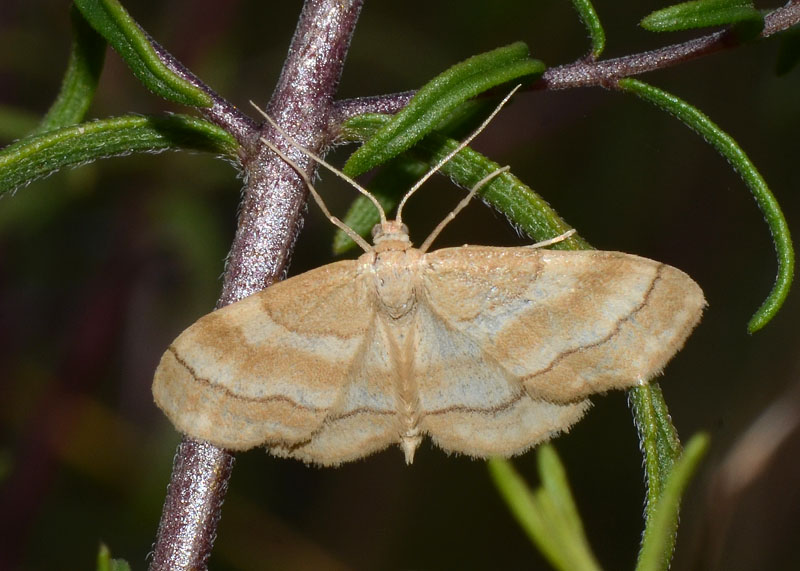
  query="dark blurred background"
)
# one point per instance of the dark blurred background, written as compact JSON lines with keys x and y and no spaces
{"x":102,"y":266}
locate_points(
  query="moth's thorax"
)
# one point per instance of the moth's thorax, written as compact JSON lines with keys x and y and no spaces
{"x":393,"y":276}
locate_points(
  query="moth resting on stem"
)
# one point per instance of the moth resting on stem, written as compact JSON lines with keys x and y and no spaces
{"x":487,"y":350}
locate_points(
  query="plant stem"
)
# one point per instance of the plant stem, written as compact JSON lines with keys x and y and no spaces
{"x":192,"y":507}
{"x":603,"y":73}
{"x":269,"y":222}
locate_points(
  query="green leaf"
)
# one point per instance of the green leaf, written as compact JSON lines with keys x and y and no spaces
{"x":548,"y":514}
{"x":658,"y":439}
{"x":659,"y":535}
{"x":730,"y":149}
{"x":704,"y":14}
{"x":523,"y":207}
{"x":438,"y":98}
{"x":588,"y":16}
{"x":105,"y":563}
{"x":111,"y":20}
{"x":41,"y":155}
{"x":80,"y":80}
{"x":788,"y":51}
{"x":468,"y":116}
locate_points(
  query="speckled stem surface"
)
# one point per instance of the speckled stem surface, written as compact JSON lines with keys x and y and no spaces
{"x":269,"y":221}
{"x":192,"y":508}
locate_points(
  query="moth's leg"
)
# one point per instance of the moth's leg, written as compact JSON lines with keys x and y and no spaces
{"x":551,"y":241}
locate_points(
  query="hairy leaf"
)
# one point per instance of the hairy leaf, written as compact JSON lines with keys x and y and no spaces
{"x":438,"y":98}
{"x":659,"y":535}
{"x":703,"y":14}
{"x":590,"y":19}
{"x":111,"y":20}
{"x":80,"y":80}
{"x":41,"y":155}
{"x":730,"y":149}
{"x":658,"y":440}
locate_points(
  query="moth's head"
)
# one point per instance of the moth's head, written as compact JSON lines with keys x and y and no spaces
{"x":391,"y":235}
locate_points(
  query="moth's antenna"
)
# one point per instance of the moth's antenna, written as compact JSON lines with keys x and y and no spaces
{"x":453,"y":153}
{"x":321,"y":161}
{"x":341,"y":225}
{"x":429,"y":240}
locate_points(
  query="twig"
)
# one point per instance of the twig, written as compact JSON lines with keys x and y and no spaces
{"x":192,"y":507}
{"x":603,"y":73}
{"x":269,"y":221}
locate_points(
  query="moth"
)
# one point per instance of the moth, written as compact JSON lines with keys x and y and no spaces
{"x":486,"y":350}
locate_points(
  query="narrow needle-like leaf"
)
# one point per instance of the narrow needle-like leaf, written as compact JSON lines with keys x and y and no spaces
{"x":703,"y":14}
{"x":659,"y":535}
{"x":730,"y":149}
{"x":436,"y":99}
{"x":590,"y":19}
{"x":111,"y":20}
{"x":658,"y":439}
{"x":40,"y":155}
{"x":80,"y":79}
{"x":548,"y":514}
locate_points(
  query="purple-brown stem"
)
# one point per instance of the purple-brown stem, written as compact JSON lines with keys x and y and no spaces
{"x":269,"y":221}
{"x":606,"y":73}
{"x":192,"y":507}
{"x":602,"y":73}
